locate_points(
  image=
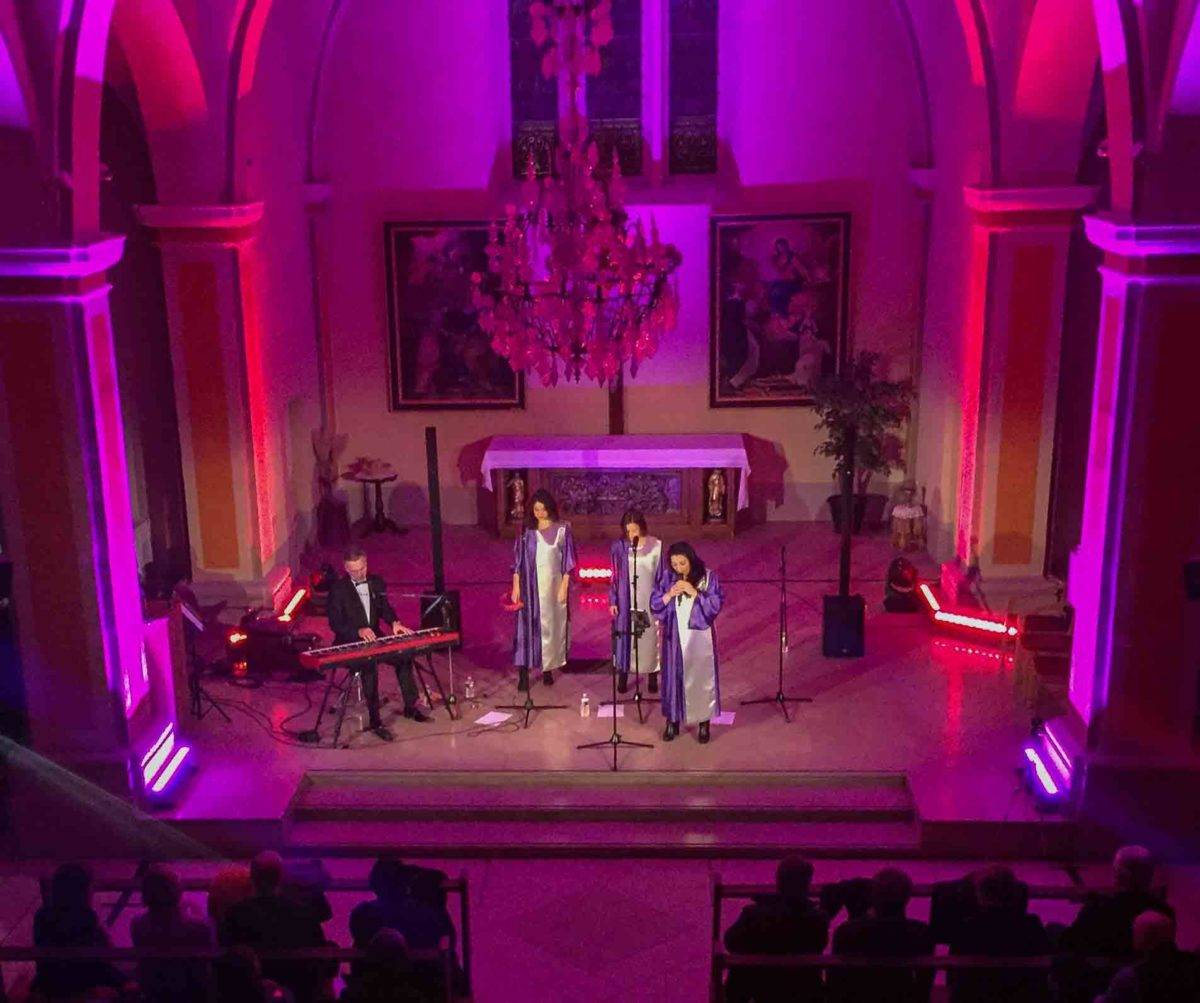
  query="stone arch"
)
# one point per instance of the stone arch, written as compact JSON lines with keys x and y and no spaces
{"x":1123,"y":74}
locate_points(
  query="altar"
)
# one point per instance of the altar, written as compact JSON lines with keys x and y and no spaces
{"x":687,"y":485}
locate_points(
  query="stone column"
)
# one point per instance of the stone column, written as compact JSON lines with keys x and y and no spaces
{"x":68,"y":524}
{"x":210,"y":280}
{"x":1013,"y":330}
{"x":1135,"y":661}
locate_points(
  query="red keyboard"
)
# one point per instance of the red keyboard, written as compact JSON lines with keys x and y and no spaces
{"x":417,"y":643}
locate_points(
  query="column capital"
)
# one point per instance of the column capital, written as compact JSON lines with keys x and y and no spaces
{"x":57,"y":271}
{"x":1019,"y":208}
{"x":222,"y":223}
{"x":1167,"y":249}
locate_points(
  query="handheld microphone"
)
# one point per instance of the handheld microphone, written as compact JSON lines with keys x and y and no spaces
{"x":679,"y":598}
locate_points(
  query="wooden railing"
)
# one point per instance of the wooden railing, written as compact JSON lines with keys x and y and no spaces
{"x":128,"y":888}
{"x":66,"y":955}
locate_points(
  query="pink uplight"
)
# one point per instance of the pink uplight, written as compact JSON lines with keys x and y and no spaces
{"x":161,"y":755}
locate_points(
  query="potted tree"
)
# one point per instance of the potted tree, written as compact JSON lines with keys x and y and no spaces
{"x":855,"y":403}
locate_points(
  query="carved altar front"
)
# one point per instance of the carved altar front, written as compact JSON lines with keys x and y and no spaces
{"x":687,"y":485}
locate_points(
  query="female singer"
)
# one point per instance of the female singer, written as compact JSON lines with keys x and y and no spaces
{"x":687,"y":609}
{"x":543,"y":559}
{"x":636,"y":550}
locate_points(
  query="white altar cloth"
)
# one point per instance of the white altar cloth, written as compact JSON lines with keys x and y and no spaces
{"x":619,"y":452}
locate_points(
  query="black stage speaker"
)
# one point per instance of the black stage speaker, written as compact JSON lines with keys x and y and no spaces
{"x":444,"y":615}
{"x":842,"y":627}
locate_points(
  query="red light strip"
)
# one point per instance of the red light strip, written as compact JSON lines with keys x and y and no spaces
{"x":962,"y":620}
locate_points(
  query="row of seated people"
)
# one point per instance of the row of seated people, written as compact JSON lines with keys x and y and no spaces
{"x":260,"y":909}
{"x":983,"y":915}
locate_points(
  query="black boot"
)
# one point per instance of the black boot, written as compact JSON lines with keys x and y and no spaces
{"x":653,"y":682}
{"x":523,"y":680}
{"x":671,"y":731}
{"x":547,"y":677}
{"x":623,"y":682}
{"x":702,"y":733}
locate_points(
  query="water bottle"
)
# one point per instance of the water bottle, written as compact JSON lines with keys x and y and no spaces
{"x":585,"y":706}
{"x":469,"y":688}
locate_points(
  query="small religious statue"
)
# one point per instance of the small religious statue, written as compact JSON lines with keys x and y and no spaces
{"x":516,"y":498}
{"x":714,"y":505}
{"x":908,"y":520}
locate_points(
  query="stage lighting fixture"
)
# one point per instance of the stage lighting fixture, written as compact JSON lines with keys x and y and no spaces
{"x":1051,"y":756}
{"x":982,"y":626}
{"x":294,"y":604}
{"x":164,"y":765}
{"x":900,"y":587}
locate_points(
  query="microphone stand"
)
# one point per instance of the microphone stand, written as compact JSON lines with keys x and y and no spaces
{"x":780,"y":698}
{"x":530,"y":583}
{"x":633,"y":631}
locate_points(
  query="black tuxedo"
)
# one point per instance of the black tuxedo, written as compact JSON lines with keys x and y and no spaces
{"x":347,"y":617}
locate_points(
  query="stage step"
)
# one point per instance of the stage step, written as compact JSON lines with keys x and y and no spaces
{"x":681,"y":813}
{"x":481,"y":840}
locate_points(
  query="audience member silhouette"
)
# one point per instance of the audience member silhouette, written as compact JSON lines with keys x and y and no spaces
{"x":270,"y":921}
{"x":885,"y":933}
{"x":230,"y":885}
{"x":386,"y":974}
{"x":238,"y":979}
{"x":852,"y":894}
{"x":1001,"y":928}
{"x":1104,"y":925}
{"x":1163,"y":973}
{"x":784,"y":923}
{"x":164,"y":924}
{"x":410,"y":900}
{"x":67,"y":919}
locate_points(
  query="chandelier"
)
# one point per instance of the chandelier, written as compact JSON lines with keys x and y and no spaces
{"x":573,"y":286}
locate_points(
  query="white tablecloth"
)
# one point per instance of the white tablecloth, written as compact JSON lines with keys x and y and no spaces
{"x":619,"y":452}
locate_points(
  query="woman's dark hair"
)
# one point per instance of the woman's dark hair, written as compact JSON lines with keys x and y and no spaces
{"x":684,"y":549}
{"x":71,"y":887}
{"x":547,"y":499}
{"x":633,"y":515}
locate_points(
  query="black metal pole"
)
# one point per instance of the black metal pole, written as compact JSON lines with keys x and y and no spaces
{"x":435,"y":509}
{"x":847,"y":511}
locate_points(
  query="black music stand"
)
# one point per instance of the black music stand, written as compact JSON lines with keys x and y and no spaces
{"x":780,"y":698}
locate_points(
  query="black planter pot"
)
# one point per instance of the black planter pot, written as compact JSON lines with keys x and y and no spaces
{"x":868,"y":512}
{"x":835,"y":510}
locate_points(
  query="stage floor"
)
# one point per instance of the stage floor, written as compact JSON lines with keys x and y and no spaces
{"x":917,"y":704}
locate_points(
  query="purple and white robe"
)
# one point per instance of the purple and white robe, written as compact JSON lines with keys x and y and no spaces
{"x":690,"y":689}
{"x":651,"y":571}
{"x":541,"y":559}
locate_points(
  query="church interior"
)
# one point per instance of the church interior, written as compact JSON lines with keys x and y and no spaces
{"x":749,"y":430}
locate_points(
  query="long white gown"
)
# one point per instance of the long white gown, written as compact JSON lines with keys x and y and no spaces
{"x":553,"y":615}
{"x":699,"y":664}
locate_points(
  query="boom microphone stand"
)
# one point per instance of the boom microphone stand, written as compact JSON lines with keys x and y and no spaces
{"x":633,"y":632}
{"x":781,"y":699}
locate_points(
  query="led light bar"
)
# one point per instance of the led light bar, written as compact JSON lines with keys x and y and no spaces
{"x":164,"y":778}
{"x":998,"y":628}
{"x":293,"y":603}
{"x":1043,"y":775}
{"x":161,"y":755}
{"x":594,"y":574}
{"x":167,"y":729}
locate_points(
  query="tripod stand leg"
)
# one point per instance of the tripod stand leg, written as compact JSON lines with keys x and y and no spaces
{"x":343,"y":700}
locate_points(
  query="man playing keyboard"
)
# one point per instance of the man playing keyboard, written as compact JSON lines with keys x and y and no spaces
{"x":357,"y":604}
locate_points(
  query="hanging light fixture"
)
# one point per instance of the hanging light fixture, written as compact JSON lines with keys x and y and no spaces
{"x":574,"y":287}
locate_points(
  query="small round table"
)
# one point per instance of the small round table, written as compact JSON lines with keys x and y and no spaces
{"x":379,"y":522}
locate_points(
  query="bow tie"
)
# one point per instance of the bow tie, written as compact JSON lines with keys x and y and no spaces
{"x":360,"y":585}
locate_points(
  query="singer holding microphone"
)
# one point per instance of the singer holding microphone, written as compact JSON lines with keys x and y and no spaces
{"x":687,"y":609}
{"x":636,"y":557}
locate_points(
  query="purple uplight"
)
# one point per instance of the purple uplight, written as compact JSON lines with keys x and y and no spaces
{"x":172,"y":769}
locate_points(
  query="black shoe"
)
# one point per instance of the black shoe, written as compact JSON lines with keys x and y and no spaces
{"x":547,"y":677}
{"x":383,"y":733}
{"x":653,"y":682}
{"x":702,"y":733}
{"x":523,"y":681}
{"x":623,"y":682}
{"x":671,"y":731}
{"x":416,"y":714}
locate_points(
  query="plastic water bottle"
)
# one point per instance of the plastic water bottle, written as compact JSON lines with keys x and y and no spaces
{"x":585,"y":706}
{"x":469,"y":688}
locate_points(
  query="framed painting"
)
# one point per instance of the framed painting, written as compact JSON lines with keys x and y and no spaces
{"x":780,"y":301}
{"x":439,"y":357}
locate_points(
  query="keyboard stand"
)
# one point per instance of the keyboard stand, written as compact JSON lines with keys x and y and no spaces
{"x":313,"y":735}
{"x":421,"y":670}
